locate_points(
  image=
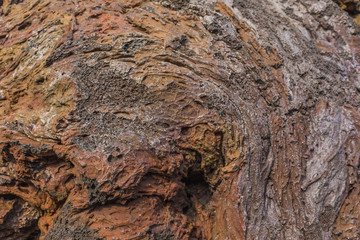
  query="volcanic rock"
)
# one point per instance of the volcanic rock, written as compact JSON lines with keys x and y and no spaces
{"x":186,"y":119}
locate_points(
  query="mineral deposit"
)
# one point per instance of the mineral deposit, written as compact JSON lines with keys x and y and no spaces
{"x":182,"y":119}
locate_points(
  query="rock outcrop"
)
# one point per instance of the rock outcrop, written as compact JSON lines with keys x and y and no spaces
{"x":184,"y":119}
{"x":352,"y":7}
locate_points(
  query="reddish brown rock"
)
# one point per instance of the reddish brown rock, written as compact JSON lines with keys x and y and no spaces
{"x":179,"y":120}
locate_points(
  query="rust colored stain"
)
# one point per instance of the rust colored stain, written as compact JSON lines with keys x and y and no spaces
{"x":172,"y":120}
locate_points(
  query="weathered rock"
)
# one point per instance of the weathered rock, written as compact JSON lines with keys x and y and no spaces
{"x":179,"y":120}
{"x":352,"y":7}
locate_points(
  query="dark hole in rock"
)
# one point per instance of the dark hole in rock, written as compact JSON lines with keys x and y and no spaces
{"x":185,"y":130}
{"x":112,"y":158}
{"x":8,"y":196}
{"x":96,"y":16}
{"x":351,"y":8}
{"x":34,"y":235}
{"x":16,"y":1}
{"x":24,"y":25}
{"x":24,"y":184}
{"x":197,"y":189}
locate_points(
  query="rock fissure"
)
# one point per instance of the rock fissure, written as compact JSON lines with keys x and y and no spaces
{"x":179,"y":119}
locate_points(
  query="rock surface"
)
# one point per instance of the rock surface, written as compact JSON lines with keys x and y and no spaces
{"x":184,"y":119}
{"x":352,"y":7}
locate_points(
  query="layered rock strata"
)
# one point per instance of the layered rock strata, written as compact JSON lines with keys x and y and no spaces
{"x":136,"y":119}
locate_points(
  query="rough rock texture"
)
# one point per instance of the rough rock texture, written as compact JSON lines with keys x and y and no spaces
{"x":184,"y":119}
{"x":352,"y":7}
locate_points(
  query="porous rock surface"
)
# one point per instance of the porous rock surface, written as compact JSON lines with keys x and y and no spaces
{"x":352,"y":7}
{"x":183,"y":119}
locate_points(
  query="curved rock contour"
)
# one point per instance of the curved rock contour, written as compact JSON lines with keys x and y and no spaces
{"x":136,"y":119}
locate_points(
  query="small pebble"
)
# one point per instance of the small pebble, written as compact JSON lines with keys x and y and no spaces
{"x":2,"y":95}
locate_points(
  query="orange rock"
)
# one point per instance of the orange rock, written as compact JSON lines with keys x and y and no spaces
{"x":178,"y":120}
